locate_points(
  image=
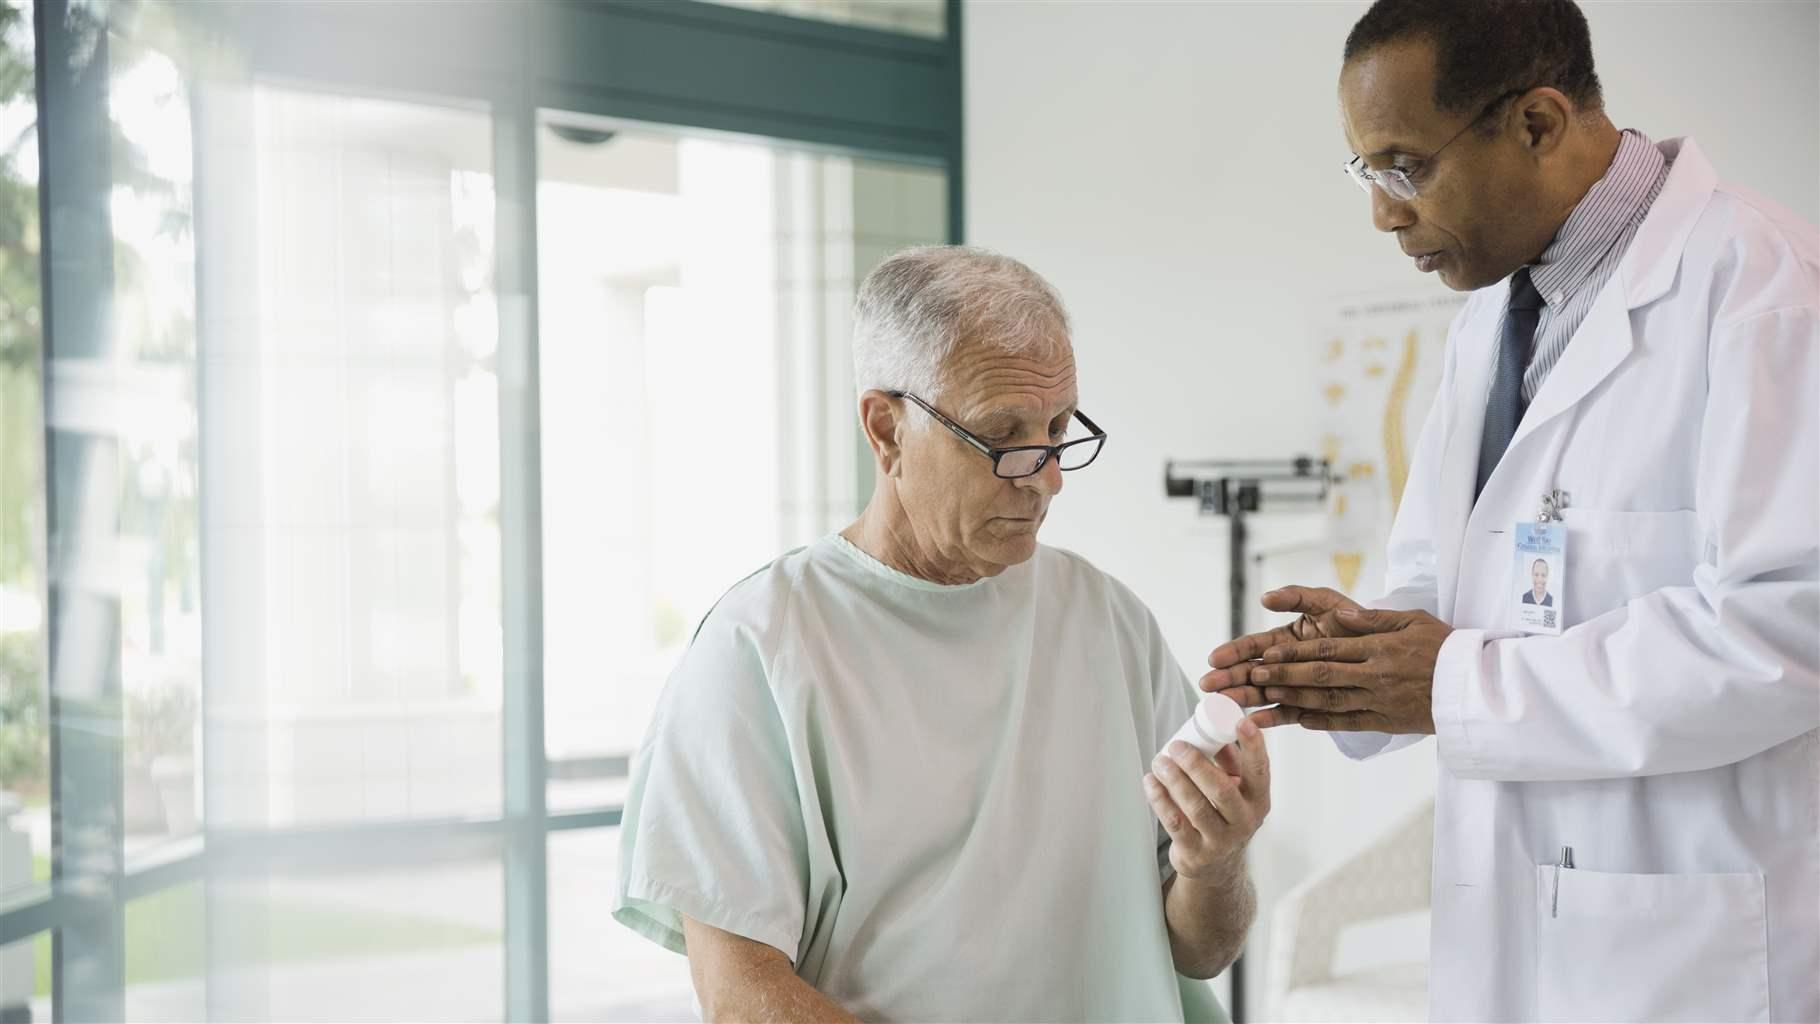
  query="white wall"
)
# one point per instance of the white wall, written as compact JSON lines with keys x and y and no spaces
{"x":1174,"y":168}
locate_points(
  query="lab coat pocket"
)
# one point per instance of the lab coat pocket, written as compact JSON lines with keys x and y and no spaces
{"x":1616,"y":555}
{"x":1615,"y":947}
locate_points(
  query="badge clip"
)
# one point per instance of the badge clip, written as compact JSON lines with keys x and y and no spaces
{"x":1552,"y":504}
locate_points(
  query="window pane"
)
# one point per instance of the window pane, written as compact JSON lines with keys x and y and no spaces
{"x":155,"y":359}
{"x":350,"y":405}
{"x":911,"y":17}
{"x":166,"y":956}
{"x":419,"y":941}
{"x":25,"y":979}
{"x":24,"y":739}
{"x":599,"y":970}
{"x":697,"y":400}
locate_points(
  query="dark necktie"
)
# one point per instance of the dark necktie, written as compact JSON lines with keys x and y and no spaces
{"x":1504,"y":408}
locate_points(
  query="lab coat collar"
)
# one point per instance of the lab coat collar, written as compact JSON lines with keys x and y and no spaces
{"x":1648,"y":268}
{"x":1645,"y":274}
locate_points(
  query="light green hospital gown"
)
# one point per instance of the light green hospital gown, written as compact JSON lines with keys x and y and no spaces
{"x":927,"y":796}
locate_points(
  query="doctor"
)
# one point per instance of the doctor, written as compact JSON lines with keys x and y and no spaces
{"x":1626,"y":813}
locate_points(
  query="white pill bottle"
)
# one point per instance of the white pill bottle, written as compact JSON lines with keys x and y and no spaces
{"x":1214,"y":724}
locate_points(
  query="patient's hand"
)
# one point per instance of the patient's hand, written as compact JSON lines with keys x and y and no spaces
{"x":1211,"y":808}
{"x":1234,"y":661}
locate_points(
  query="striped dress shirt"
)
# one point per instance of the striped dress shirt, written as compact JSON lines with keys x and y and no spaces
{"x":1585,"y":254}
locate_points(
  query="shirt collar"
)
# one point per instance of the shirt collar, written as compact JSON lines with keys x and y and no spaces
{"x":1616,"y":202}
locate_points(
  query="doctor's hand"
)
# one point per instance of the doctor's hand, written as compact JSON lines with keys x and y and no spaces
{"x":1210,"y":808}
{"x":1234,"y":661}
{"x":1381,"y":679}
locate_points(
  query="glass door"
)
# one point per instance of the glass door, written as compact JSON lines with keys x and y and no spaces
{"x":699,"y":419}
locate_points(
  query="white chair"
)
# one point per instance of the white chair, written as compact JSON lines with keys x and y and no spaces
{"x":1387,"y":879}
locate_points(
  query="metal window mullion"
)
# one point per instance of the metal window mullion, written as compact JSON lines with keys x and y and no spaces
{"x":224,"y":226}
{"x":957,"y":137}
{"x":521,"y":553}
{"x":82,"y":499}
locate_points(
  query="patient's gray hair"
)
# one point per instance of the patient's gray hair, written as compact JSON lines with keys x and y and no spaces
{"x":919,"y":306}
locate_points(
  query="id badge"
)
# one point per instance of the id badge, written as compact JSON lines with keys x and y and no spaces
{"x":1541,"y":572}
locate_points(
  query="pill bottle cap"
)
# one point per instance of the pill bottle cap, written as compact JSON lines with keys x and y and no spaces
{"x":1217,"y":717}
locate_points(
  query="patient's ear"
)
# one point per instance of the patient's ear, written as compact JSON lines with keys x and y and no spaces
{"x":878,"y":417}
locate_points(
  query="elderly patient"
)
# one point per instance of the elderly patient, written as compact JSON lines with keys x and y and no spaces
{"x":905,"y":773}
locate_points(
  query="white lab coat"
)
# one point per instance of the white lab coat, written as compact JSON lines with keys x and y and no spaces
{"x":1671,"y":734}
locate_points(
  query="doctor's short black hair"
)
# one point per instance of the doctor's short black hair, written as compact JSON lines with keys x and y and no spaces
{"x":1486,"y":48}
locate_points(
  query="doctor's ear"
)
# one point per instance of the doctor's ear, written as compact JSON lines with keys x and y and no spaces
{"x":880,"y":419}
{"x":1543,"y":117}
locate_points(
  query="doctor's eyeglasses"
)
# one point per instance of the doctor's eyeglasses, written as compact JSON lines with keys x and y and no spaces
{"x":1024,"y":460}
{"x":1396,"y":181}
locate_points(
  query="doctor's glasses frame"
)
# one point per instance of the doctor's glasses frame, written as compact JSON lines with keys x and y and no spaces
{"x":1396,"y":181}
{"x":1021,"y":461}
